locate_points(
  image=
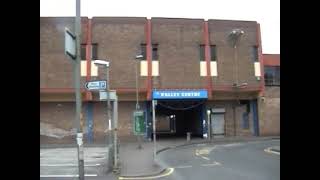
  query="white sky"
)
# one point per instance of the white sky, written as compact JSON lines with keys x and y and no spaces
{"x":265,"y":12}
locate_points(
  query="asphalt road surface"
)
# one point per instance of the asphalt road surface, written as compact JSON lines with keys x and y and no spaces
{"x":235,"y":161}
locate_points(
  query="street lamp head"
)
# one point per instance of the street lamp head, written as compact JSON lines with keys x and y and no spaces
{"x":234,"y":36}
{"x":138,"y":57}
{"x":237,"y":32}
{"x":103,"y":63}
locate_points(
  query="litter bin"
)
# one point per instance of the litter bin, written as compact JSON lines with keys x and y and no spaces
{"x":188,"y":136}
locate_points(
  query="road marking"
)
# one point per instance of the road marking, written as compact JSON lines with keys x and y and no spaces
{"x":201,"y":152}
{"x":213,"y":164}
{"x":268,"y":150}
{"x":183,"y":167}
{"x":205,"y":158}
{"x":67,"y":175}
{"x":166,"y":173}
{"x":232,"y":145}
{"x":66,"y":165}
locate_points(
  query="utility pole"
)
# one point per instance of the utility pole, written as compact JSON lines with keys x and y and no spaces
{"x":77,"y":90}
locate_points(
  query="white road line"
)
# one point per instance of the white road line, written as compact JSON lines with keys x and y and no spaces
{"x":183,"y":167}
{"x":269,"y":151}
{"x":213,"y":164}
{"x":65,"y":165}
{"x":67,"y":175}
{"x":205,"y":158}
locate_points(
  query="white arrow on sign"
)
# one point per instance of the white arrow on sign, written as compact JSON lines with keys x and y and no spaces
{"x":96,"y":85}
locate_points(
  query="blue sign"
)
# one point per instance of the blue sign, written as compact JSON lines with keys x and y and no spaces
{"x":180,"y":94}
{"x":96,"y":85}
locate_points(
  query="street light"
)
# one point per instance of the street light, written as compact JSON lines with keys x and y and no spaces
{"x":138,"y":58}
{"x":209,"y":124}
{"x":234,"y":38}
{"x":106,"y":64}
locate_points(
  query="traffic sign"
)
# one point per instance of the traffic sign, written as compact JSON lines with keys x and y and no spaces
{"x":70,"y":44}
{"x":96,"y":85}
{"x":139,"y":123}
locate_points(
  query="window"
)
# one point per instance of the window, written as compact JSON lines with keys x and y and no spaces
{"x":144,"y":51}
{"x":94,"y":51}
{"x":202,"y":52}
{"x":254,"y":54}
{"x":213,"y":51}
{"x":272,"y":75}
{"x":155,"y":55}
{"x":83,"y":52}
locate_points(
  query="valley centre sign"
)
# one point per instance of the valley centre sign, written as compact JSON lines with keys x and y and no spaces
{"x":180,"y":94}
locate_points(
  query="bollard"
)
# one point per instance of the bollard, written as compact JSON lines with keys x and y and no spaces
{"x":188,"y":136}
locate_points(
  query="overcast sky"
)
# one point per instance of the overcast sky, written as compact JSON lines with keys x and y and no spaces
{"x":265,"y":12}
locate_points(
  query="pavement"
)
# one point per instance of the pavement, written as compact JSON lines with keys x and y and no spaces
{"x":63,"y":162}
{"x":134,"y":162}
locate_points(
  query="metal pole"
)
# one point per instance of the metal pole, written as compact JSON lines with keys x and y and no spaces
{"x":154,"y":129}
{"x":137,"y":86}
{"x":77,"y":90}
{"x":115,"y":124}
{"x":209,"y":127}
{"x":137,"y":99}
{"x":111,"y":155}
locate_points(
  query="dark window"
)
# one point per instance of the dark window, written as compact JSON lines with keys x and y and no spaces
{"x":202,"y":52}
{"x":83,"y":51}
{"x":272,"y":75}
{"x":213,"y":51}
{"x":94,"y":51}
{"x":144,"y":51}
{"x":155,"y":55}
{"x":254,"y":54}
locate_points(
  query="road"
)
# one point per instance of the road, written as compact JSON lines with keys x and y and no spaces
{"x":235,"y":161}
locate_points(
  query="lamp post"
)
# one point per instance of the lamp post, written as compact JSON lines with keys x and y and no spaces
{"x":110,"y":121}
{"x":209,"y":124}
{"x":235,"y":36}
{"x":138,"y":58}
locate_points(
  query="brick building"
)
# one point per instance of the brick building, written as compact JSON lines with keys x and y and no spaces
{"x":189,"y":55}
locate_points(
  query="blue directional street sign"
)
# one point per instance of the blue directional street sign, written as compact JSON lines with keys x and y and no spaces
{"x":96,"y":85}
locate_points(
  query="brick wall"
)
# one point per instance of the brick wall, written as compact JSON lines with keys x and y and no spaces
{"x":179,"y":58}
{"x":270,"y":107}
{"x":55,"y":67}
{"x":218,"y":34}
{"x":119,"y":41}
